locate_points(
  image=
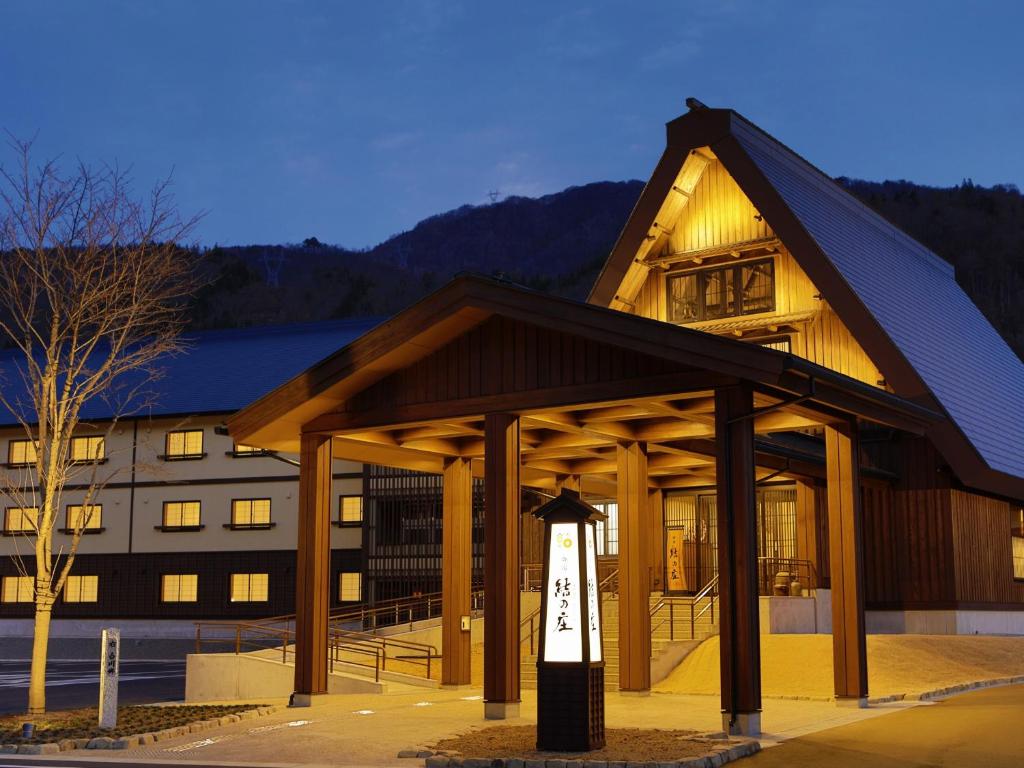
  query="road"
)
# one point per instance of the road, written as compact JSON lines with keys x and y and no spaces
{"x":974,"y":729}
{"x":72,"y":684}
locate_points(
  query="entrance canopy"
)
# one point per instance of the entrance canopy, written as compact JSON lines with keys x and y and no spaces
{"x":414,"y":391}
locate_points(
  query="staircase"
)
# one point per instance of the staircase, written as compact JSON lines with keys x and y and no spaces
{"x":673,"y":619}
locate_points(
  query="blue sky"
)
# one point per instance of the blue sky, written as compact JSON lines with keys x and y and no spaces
{"x":352,"y":121}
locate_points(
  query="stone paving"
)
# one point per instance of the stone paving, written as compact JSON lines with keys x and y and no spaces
{"x":370,"y":730}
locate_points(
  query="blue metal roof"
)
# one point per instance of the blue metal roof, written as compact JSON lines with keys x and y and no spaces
{"x":221,"y":371}
{"x":914,"y":296}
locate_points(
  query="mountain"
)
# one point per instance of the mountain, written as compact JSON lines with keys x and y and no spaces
{"x":558,"y":243}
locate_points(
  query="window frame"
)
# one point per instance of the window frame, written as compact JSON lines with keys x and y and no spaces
{"x":249,"y":454}
{"x":236,"y":526}
{"x":179,"y":577}
{"x":101,"y":459}
{"x":701,"y":275}
{"x":165,"y":526}
{"x":89,"y":529}
{"x":341,"y":586}
{"x":248,"y":593}
{"x":11,"y":463}
{"x":8,"y":531}
{"x":80,"y":581}
{"x":168,"y":456}
{"x":1016,"y":533}
{"x":19,"y":582}
{"x":341,"y":522}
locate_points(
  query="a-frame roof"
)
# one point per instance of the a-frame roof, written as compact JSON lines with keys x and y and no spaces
{"x":900,"y":300}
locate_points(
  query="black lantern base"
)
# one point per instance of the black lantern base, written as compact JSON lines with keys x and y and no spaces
{"x":570,"y":706}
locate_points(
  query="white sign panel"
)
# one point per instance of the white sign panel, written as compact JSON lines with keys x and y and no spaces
{"x":109,"y":664}
{"x":563,"y":635}
{"x":593,"y":607}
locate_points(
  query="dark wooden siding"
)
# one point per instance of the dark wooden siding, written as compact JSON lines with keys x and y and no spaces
{"x":984,"y":565}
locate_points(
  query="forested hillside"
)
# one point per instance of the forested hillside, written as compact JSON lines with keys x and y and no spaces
{"x":558,"y":243}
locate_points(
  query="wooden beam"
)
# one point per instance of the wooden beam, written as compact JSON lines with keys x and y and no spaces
{"x":312,"y":568}
{"x":739,"y":644}
{"x":501,"y":566}
{"x":634,"y":574}
{"x":456,"y":570}
{"x":731,"y":249}
{"x":846,"y":563}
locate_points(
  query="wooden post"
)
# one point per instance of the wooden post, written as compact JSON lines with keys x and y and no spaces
{"x":501,"y":566}
{"x":846,"y":563}
{"x":567,"y":482}
{"x":656,"y":539}
{"x":456,"y":570}
{"x":807,"y":524}
{"x":634,"y":577}
{"x":312,"y":569}
{"x":740,"y":646}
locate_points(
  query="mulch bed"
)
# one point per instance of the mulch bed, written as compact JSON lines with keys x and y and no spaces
{"x":83,"y":723}
{"x":622,"y":744}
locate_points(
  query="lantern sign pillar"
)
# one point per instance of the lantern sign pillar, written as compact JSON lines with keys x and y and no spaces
{"x":570,"y":662}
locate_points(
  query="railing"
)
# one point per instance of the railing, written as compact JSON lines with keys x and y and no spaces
{"x":689,"y":610}
{"x":531,"y":574}
{"x":801,"y":570}
{"x":531,"y":623}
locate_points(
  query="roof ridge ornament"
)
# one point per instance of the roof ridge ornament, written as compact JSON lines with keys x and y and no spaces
{"x":694,"y":104}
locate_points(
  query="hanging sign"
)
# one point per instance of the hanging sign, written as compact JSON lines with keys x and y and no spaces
{"x":674,"y":561}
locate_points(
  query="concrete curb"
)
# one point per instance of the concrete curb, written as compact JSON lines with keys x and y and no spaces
{"x":951,"y":690}
{"x":720,"y":755}
{"x":126,"y":742}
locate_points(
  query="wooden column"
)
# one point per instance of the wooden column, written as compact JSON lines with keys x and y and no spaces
{"x":740,"y":646}
{"x":634,"y":577}
{"x":807,"y":524}
{"x":312,"y":568}
{"x":846,"y":562}
{"x":656,"y":540}
{"x":456,"y":570}
{"x":501,"y":566}
{"x":567,"y":482}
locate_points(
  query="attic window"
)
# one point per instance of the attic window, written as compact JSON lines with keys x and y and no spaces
{"x":722,"y":291}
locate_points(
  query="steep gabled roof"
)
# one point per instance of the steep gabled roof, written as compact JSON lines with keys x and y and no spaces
{"x":900,"y":300}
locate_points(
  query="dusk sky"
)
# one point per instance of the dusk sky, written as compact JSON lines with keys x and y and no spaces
{"x":352,"y":121}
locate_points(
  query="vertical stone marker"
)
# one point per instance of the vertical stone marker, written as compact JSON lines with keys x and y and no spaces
{"x":109,"y":663}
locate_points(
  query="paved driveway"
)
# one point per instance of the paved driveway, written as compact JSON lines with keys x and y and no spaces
{"x":982,"y":729}
{"x":71,"y":684}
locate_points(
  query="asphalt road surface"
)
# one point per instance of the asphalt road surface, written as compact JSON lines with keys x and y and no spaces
{"x":973,"y":729}
{"x":72,"y":684}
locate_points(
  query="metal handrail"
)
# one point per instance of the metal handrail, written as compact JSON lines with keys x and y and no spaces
{"x":709,"y":592}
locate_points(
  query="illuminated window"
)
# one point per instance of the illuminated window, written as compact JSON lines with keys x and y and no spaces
{"x":608,"y":530}
{"x":249,"y":587}
{"x":247,"y":450}
{"x":86,"y":518}
{"x":82,"y":589}
{"x":250,"y":513}
{"x":88,"y":448}
{"x":1017,"y":542}
{"x":779,"y":343}
{"x":723,"y":291}
{"x":21,"y":519}
{"x":21,"y":453}
{"x":179,"y":587}
{"x":350,"y":587}
{"x":350,"y":510}
{"x":181,"y":514}
{"x":184,"y":444}
{"x":17,"y":589}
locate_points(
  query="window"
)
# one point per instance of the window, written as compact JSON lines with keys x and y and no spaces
{"x":21,"y":453}
{"x":249,"y":587}
{"x":725,"y":291}
{"x":780,"y":343}
{"x":1017,"y":541}
{"x":350,"y":510}
{"x":184,"y":444}
{"x":82,"y":589}
{"x":179,"y":587}
{"x":88,"y":448}
{"x":21,"y":519}
{"x":250,"y":513}
{"x":85,"y":518}
{"x":350,"y":587}
{"x":241,"y":451}
{"x":181,"y":514}
{"x":608,"y":530}
{"x":17,"y":589}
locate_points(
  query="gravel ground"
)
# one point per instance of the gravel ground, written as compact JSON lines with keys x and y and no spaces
{"x":621,"y":744}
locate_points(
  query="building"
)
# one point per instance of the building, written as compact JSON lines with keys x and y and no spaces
{"x":203,"y":527}
{"x":766,"y":373}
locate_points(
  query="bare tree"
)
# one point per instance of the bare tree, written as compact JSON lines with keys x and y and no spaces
{"x":93,"y":287}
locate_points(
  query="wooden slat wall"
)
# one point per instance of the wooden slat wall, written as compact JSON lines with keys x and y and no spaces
{"x":981,"y":546}
{"x":720,"y":214}
{"x":502,"y":356}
